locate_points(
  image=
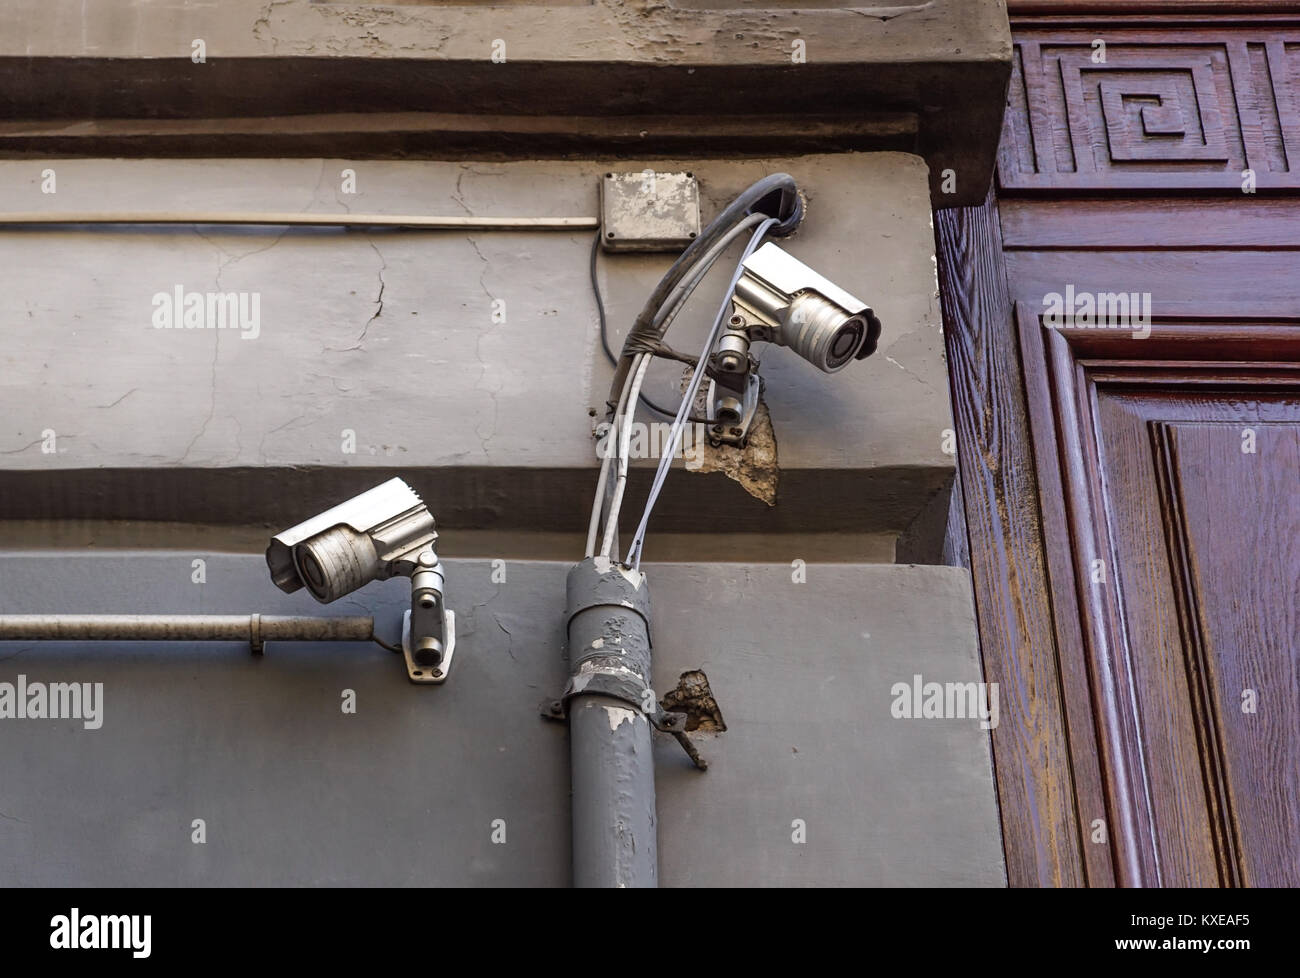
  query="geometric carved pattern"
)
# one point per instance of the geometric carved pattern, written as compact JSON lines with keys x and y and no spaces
{"x":1180,"y":110}
{"x":1176,"y":117}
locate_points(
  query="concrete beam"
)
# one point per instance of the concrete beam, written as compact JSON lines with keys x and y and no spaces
{"x":942,"y":63}
{"x":469,"y":364}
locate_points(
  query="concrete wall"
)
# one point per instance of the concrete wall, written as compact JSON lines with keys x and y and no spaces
{"x":168,"y":445}
{"x":515,"y":78}
{"x":392,"y":335}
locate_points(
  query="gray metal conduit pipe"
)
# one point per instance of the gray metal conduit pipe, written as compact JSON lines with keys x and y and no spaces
{"x":253,"y":629}
{"x":608,"y":699}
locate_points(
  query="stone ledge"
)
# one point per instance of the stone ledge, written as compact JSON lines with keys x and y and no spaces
{"x":944,"y":62}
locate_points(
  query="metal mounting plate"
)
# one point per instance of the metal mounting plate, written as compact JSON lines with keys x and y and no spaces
{"x":737,"y":434}
{"x":422,"y":674}
{"x":645,"y":210}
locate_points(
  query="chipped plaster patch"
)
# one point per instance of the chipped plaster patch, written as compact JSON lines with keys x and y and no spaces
{"x":694,"y":697}
{"x":756,"y":466}
{"x":618,"y":716}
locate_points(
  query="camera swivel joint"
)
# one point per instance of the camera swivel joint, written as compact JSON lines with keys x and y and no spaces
{"x":429,"y":628}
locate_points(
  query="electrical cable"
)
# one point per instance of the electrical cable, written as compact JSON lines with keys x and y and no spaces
{"x":384,"y":645}
{"x":624,"y":454}
{"x":695,"y":274}
{"x":672,"y":304}
{"x":604,"y":328}
{"x":593,"y":525}
{"x":775,"y":196}
{"x":675,"y":302}
{"x":775,"y":202}
{"x":663,"y":320}
{"x":675,"y":433}
{"x":597,"y":507}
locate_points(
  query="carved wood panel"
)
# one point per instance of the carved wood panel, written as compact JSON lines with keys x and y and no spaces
{"x":1178,"y":455}
{"x":1104,"y":109}
{"x":1130,"y":759}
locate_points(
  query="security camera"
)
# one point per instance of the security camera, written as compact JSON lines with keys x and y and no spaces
{"x":781,"y":300}
{"x":384,"y":532}
{"x":371,"y":537}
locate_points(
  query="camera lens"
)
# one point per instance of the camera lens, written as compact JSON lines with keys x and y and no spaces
{"x":845,"y":344}
{"x":312,"y":573}
{"x":335,"y":563}
{"x":822,"y":333}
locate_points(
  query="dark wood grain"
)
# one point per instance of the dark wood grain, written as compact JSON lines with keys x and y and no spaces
{"x":1078,"y":445}
{"x":1041,"y":831}
{"x":1193,"y":223}
{"x":1264,"y":281}
{"x":1196,"y":654}
{"x":1241,"y":523}
{"x":1201,"y":585}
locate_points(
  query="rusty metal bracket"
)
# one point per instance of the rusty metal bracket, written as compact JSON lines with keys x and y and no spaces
{"x":622,"y":685}
{"x":675,"y":724}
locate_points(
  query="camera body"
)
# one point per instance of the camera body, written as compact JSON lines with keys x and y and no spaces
{"x":780,"y":299}
{"x":384,"y":532}
{"x":373,"y":536}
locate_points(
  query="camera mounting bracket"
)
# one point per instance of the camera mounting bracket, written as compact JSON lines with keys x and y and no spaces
{"x":429,"y":628}
{"x":422,"y":673}
{"x":734,"y":431}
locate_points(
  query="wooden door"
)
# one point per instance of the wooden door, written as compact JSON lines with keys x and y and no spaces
{"x":1133,"y":501}
{"x":1173,"y":461}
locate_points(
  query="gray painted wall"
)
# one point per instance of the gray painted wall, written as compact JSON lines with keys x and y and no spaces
{"x":391,"y":335}
{"x":404,"y":792}
{"x":172,"y":444}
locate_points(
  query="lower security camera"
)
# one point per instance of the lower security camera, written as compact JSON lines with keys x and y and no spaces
{"x":371,"y":537}
{"x":384,"y":532}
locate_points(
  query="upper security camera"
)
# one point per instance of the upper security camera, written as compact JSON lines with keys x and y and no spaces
{"x":782,"y":300}
{"x":384,"y":532}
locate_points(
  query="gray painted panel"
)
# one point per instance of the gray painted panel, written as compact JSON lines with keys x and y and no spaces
{"x":391,"y":334}
{"x":404,"y":792}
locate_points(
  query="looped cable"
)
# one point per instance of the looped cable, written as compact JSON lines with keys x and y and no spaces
{"x":775,"y":197}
